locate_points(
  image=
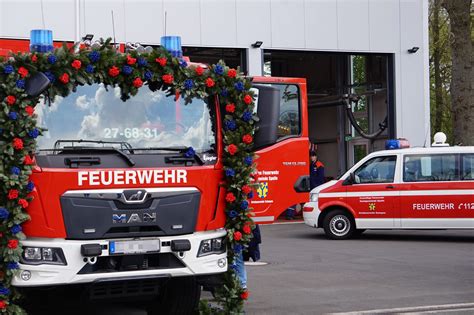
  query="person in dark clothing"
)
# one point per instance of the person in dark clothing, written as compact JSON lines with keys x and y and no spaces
{"x":316,"y":171}
{"x":253,"y":251}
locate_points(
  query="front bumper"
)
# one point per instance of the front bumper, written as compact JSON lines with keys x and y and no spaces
{"x":311,"y":217}
{"x":48,"y":275}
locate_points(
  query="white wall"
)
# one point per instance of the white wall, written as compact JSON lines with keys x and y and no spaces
{"x":380,"y":26}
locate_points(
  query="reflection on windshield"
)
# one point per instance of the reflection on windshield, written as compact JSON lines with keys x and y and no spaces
{"x":149,"y":119}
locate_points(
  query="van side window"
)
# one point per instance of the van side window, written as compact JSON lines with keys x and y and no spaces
{"x":467,"y":171}
{"x":376,"y":170}
{"x":426,"y":168}
{"x":289,"y":119}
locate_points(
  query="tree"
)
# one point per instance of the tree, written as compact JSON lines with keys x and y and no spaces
{"x":462,"y":80}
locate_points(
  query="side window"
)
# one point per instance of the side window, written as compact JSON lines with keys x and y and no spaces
{"x":437,"y":167}
{"x":377,"y":170}
{"x":467,"y":171}
{"x":289,"y":119}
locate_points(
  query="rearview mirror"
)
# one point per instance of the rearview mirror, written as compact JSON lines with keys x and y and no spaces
{"x":268,"y":111}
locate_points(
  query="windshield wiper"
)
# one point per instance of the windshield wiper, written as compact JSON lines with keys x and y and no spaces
{"x":123,"y":145}
{"x":127,"y":158}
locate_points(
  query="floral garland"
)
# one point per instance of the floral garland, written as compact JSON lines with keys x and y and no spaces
{"x":66,"y":70}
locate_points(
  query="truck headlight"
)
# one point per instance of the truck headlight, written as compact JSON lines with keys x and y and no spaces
{"x":313,"y":197}
{"x":42,"y":255}
{"x":212,"y":246}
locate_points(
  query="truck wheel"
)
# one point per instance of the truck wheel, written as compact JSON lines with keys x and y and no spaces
{"x":179,"y":296}
{"x":339,"y":225}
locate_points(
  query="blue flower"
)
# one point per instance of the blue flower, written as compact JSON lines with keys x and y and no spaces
{"x":13,"y":115}
{"x":142,"y":62}
{"x":232,"y":214}
{"x":244,"y":204}
{"x":50,"y":76}
{"x":15,"y":170}
{"x":183,"y":63}
{"x":1,"y":131}
{"x":20,"y":84}
{"x":16,"y":229}
{"x":90,"y":68}
{"x":52,"y":59}
{"x":230,"y":125}
{"x":190,"y":153}
{"x":239,"y":86}
{"x":127,"y":69}
{"x":237,"y":248}
{"x":188,"y":84}
{"x":8,"y":69}
{"x":94,"y":56}
{"x":224,"y":93}
{"x":4,"y":213}
{"x":34,"y":133}
{"x":148,"y":75}
{"x":229,"y":172}
{"x":30,"y":186}
{"x":246,"y":116}
{"x":4,"y":291}
{"x":250,"y":195}
{"x":219,"y":70}
{"x":12,"y":265}
{"x":248,"y":160}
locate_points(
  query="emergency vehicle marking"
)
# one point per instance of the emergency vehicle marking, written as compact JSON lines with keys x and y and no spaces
{"x":433,"y":206}
{"x":262,"y":190}
{"x":131,"y":177}
{"x":451,"y":192}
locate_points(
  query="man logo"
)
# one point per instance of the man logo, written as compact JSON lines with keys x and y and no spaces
{"x":134,"y":218}
{"x":262,"y":190}
{"x":134,"y":196}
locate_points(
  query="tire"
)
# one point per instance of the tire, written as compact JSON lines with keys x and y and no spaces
{"x":358,"y":232}
{"x":179,"y":296}
{"x":339,"y":225}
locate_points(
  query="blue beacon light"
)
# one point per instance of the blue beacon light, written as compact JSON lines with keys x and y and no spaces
{"x":173,"y":45}
{"x":41,"y":41}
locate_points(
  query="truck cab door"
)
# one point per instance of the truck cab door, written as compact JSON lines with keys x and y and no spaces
{"x":281,"y":146}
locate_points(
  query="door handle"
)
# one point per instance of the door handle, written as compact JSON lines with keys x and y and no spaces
{"x":390,"y":186}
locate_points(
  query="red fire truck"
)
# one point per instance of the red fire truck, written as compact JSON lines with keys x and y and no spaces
{"x":112,"y":188}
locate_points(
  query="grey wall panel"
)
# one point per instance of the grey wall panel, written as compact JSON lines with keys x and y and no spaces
{"x":144,"y":26}
{"x":218,"y":23}
{"x":253,"y":22}
{"x":384,"y":25}
{"x":353,"y":25}
{"x":321,"y":24}
{"x":288,"y":23}
{"x":184,"y":19}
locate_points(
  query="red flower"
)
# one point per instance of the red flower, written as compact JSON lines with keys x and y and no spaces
{"x":17,"y":143}
{"x":137,"y":82}
{"x":230,"y":197}
{"x":167,"y":78}
{"x":3,"y":305}
{"x":12,"y":244}
{"x":28,"y":160}
{"x":23,"y":72}
{"x":232,"y":149}
{"x":114,"y":71}
{"x":76,"y":64}
{"x":23,"y":203}
{"x":247,"y":139}
{"x":247,"y":229}
{"x":131,"y":60}
{"x":64,"y":78}
{"x":230,"y":108}
{"x":237,"y":236}
{"x":34,"y":58}
{"x":244,"y":295}
{"x":199,"y":70}
{"x":161,"y":61}
{"x":232,"y":73}
{"x":246,"y":189}
{"x":10,"y":100}
{"x":29,"y":110}
{"x":12,"y":194}
{"x":247,"y":99}
{"x":210,"y":82}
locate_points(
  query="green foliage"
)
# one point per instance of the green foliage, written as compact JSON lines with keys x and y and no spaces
{"x":159,"y":70}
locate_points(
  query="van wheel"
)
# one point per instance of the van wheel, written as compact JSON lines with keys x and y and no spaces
{"x":179,"y":296}
{"x":339,"y":225}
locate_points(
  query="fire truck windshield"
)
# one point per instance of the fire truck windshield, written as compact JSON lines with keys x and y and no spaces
{"x":147,"y":120}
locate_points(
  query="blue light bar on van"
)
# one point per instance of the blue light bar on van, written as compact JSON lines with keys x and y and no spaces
{"x":173,"y":45}
{"x":393,"y":144}
{"x":41,"y":41}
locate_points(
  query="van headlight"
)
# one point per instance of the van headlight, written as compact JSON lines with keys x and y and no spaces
{"x":42,"y":255}
{"x":313,"y":197}
{"x":212,"y":246}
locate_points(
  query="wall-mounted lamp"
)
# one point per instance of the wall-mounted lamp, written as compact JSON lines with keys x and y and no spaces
{"x":413,"y":50}
{"x":257,"y":44}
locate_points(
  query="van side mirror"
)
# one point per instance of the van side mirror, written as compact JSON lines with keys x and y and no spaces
{"x":350,"y":180}
{"x":36,"y":84}
{"x":268,"y":112}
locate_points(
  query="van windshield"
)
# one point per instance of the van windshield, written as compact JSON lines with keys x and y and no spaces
{"x":147,"y":120}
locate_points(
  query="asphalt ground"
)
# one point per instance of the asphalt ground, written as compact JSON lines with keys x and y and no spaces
{"x":383,"y":272}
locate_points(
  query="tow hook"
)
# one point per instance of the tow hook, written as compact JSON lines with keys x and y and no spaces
{"x":91,"y":252}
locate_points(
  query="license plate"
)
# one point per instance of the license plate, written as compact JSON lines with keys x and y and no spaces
{"x":134,"y":247}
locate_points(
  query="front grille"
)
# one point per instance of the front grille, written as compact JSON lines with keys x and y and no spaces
{"x":107,"y":290}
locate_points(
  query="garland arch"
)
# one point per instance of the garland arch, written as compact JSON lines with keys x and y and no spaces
{"x":67,"y":69}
